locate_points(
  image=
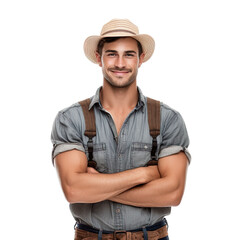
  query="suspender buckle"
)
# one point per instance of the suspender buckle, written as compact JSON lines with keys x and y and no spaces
{"x":90,"y":148}
{"x":91,"y":162}
{"x":90,"y":143}
{"x":154,"y":149}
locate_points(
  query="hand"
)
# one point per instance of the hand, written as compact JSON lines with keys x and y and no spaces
{"x":92,"y":170}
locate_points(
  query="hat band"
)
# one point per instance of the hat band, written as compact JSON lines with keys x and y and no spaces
{"x":119,"y":30}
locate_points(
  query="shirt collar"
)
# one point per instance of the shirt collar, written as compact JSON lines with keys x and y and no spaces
{"x":141,"y":100}
{"x":96,"y":99}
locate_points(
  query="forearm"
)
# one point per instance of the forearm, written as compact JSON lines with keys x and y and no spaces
{"x":158,"y":193}
{"x":81,"y":184}
{"x":163,"y":192}
{"x":91,"y":188}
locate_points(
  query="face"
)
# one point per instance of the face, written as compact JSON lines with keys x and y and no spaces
{"x":120,"y":62}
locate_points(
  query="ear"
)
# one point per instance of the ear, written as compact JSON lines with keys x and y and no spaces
{"x":98,"y":57}
{"x":141,"y":59}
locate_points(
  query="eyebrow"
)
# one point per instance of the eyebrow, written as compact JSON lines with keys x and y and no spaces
{"x":110,"y":51}
{"x":114,"y":51}
{"x":131,"y":51}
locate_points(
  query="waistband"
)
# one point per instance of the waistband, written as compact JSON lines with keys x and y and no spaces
{"x":145,"y":228}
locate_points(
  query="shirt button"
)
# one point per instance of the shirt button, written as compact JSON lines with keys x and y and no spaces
{"x":118,"y":210}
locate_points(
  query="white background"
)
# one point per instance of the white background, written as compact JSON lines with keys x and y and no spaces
{"x":195,"y":69}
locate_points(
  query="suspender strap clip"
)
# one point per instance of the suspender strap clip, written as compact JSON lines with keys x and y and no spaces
{"x":90,"y":149}
{"x":154,"y":149}
{"x":91,"y":162}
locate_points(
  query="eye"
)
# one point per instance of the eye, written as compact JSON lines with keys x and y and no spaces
{"x":111,"y":54}
{"x":130,"y":54}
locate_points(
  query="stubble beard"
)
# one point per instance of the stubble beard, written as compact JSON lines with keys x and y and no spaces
{"x":119,"y":83}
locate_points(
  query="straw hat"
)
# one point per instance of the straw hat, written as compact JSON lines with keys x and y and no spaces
{"x":119,"y":28}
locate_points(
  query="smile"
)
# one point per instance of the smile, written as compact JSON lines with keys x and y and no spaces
{"x":120,"y":72}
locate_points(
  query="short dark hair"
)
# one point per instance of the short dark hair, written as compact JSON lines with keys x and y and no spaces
{"x":113,"y":39}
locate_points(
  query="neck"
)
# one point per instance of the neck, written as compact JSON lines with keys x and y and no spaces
{"x":119,"y":98}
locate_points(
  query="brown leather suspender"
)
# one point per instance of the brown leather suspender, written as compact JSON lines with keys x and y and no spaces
{"x":90,"y":129}
{"x":154,"y":127}
{"x":153,"y":122}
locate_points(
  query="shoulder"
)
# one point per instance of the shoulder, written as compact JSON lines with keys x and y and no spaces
{"x":71,"y":115}
{"x":167,"y":112}
{"x":71,"y":110}
{"x":170,"y":117}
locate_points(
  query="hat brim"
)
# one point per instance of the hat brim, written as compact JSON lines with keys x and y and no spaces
{"x":147,"y":42}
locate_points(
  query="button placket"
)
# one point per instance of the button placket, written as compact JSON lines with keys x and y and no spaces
{"x":118,"y":216}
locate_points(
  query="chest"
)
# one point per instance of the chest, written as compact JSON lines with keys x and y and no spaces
{"x":118,"y":119}
{"x":121,"y":142}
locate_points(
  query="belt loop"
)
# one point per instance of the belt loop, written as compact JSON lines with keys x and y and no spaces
{"x":166,"y":223}
{"x":100,"y":235}
{"x":129,"y":235}
{"x":75,"y":225}
{"x":145,"y":235}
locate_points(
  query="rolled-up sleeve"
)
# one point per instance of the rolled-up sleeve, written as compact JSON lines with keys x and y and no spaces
{"x":174,"y":136}
{"x":65,"y":136}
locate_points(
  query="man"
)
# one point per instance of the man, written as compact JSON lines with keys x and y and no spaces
{"x":122,"y":198}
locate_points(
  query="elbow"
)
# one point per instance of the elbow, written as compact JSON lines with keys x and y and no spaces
{"x":176,"y":197}
{"x":176,"y":193}
{"x":70,"y":194}
{"x":176,"y":201}
{"x":71,"y":199}
{"x":74,"y":195}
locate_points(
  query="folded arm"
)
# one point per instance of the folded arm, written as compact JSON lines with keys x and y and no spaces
{"x":165,"y":191}
{"x":81,"y":186}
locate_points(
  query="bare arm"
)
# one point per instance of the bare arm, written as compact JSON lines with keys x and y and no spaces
{"x":79,"y":185}
{"x":165,"y":191}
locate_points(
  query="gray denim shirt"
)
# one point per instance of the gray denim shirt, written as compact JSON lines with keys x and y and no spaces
{"x":113,"y":153}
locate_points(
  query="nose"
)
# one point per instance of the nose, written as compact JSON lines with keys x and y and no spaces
{"x":120,"y":62}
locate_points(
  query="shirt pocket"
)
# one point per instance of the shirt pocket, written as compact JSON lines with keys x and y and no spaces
{"x":99,"y":156}
{"x":140,"y":154}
